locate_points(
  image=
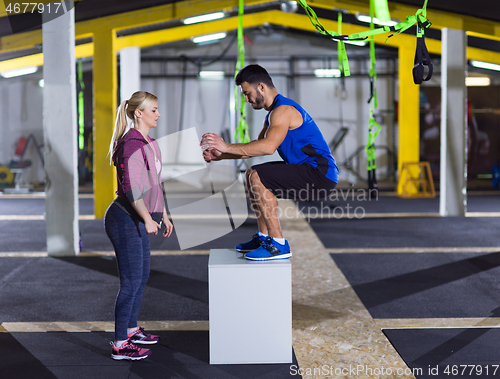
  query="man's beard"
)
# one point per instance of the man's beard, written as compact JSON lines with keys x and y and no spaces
{"x":259,"y":101}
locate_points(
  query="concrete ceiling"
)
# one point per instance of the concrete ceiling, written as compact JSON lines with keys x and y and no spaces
{"x":92,"y":9}
{"x":487,"y":9}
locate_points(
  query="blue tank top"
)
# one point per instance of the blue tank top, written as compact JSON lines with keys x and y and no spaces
{"x":305,"y":144}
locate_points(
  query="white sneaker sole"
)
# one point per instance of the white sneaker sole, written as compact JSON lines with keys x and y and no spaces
{"x":125,"y":357}
{"x":274,"y":257}
{"x":144,"y":342}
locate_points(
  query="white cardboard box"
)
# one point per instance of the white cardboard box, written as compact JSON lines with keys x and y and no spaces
{"x":250,"y":309}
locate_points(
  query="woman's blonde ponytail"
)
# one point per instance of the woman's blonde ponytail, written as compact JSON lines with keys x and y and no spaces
{"x":120,"y":127}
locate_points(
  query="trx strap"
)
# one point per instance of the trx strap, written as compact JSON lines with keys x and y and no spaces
{"x":81,"y":109}
{"x":343,"y":62}
{"x":332,"y":34}
{"x":418,"y":18}
{"x":396,"y":29}
{"x":241,"y":133}
{"x":373,"y":127}
{"x":422,"y":57}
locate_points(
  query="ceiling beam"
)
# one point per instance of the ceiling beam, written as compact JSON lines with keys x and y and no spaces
{"x":129,"y":20}
{"x":161,"y":14}
{"x":293,"y":21}
{"x":180,"y":10}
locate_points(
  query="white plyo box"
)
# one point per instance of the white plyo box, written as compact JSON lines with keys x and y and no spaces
{"x":250,"y":309}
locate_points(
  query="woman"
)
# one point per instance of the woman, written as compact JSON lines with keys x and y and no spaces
{"x":137,"y":212}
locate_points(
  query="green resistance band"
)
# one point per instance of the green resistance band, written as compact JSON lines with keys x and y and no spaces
{"x":343,"y":62}
{"x":418,"y":17}
{"x":373,"y":130}
{"x":332,"y":34}
{"x":81,"y":109}
{"x":373,"y":127}
{"x":241,"y":133}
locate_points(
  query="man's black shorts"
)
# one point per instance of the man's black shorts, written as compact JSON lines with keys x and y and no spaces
{"x":295,"y":181}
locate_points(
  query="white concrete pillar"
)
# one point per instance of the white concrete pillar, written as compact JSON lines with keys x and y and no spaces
{"x":130,"y":72}
{"x":453,"y":181}
{"x":60,"y":135}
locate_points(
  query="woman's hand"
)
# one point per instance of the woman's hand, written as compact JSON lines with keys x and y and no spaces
{"x":151,"y":226}
{"x":168,"y":226}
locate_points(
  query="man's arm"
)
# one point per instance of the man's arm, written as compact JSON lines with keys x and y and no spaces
{"x":214,"y":155}
{"x":269,"y":140}
{"x":211,"y":154}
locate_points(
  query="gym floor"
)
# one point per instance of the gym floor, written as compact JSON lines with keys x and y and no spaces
{"x":382,"y":288}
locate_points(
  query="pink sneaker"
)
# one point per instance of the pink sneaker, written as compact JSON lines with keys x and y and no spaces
{"x":129,"y":351}
{"x":141,"y":337}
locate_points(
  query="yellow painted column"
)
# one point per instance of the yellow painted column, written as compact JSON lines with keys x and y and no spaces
{"x":409,"y":111}
{"x":105,"y":104}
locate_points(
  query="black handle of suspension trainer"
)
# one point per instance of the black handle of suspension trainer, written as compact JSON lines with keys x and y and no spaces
{"x":372,"y":182}
{"x":422,"y":58}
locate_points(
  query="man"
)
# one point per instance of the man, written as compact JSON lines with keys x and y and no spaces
{"x":308,"y":165}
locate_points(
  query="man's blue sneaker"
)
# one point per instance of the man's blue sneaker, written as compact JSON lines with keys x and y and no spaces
{"x":253,"y":244}
{"x":270,"y":249}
